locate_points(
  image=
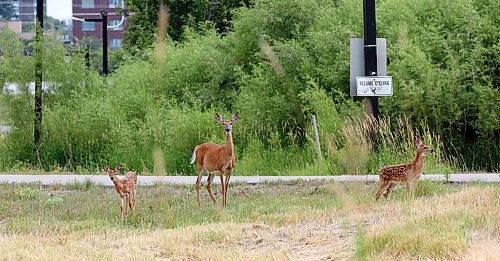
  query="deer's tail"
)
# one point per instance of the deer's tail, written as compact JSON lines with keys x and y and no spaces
{"x":193,"y":158}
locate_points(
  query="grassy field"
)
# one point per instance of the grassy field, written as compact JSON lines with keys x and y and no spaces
{"x":298,"y":220}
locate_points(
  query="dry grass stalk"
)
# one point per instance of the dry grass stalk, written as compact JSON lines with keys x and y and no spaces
{"x":269,"y":53}
{"x":357,"y":145}
{"x":160,"y":48}
{"x":159,"y":161}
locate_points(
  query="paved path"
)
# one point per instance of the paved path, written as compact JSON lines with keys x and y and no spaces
{"x":5,"y":128}
{"x":151,"y":180}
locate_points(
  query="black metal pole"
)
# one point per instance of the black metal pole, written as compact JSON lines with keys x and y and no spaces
{"x":104,"y":15}
{"x":104,"y":21}
{"x":370,"y":48}
{"x":37,"y":132}
{"x":87,"y":56}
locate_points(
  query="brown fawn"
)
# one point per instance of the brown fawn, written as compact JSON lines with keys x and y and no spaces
{"x":404,"y":173}
{"x":216,"y":159}
{"x":126,"y":188}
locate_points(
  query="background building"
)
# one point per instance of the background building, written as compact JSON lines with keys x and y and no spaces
{"x":27,"y":10}
{"x":92,"y":9}
{"x":19,"y":16}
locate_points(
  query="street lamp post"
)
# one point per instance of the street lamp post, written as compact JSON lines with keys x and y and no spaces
{"x":104,"y":21}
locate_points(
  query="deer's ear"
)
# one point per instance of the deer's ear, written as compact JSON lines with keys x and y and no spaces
{"x":218,"y":117}
{"x":106,"y":168}
{"x":418,"y":142}
{"x":235,"y":117}
{"x":117,"y":168}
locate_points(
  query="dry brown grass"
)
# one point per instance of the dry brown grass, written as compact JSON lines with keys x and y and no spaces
{"x":436,"y":227}
{"x":356,"y":153}
{"x":269,"y":53}
{"x":304,"y":234}
{"x":257,"y":241}
{"x":483,"y":247}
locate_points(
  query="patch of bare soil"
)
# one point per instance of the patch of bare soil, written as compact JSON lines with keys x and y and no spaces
{"x":323,"y":239}
{"x":482,"y":248}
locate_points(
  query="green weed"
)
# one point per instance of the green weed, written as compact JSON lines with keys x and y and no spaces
{"x":361,"y":244}
{"x":27,"y":194}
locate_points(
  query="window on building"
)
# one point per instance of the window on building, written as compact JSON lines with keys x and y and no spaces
{"x":115,"y":3}
{"x":88,"y":3}
{"x":115,"y":23}
{"x":117,"y":43}
{"x":88,"y":26}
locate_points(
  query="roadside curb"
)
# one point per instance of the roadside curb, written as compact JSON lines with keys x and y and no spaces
{"x":152,"y":180}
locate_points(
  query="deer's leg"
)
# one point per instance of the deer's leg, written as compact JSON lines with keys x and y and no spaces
{"x":122,"y":206}
{"x":413,"y":185}
{"x":389,"y":189}
{"x":228,"y":176}
{"x":198,"y":180}
{"x":408,"y":184}
{"x":382,"y":187}
{"x":209,"y":187}
{"x":410,"y":188}
{"x":131,"y":201}
{"x":127,"y":202}
{"x":223,"y":188}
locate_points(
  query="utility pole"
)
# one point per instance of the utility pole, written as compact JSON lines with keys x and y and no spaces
{"x":38,"y":79}
{"x":370,"y":48}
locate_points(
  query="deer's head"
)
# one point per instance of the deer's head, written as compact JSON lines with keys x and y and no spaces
{"x":422,"y":148}
{"x":228,"y":124}
{"x":112,"y":173}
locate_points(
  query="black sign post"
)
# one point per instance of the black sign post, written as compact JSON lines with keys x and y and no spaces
{"x":370,"y":48}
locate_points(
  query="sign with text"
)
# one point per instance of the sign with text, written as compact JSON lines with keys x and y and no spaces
{"x":357,"y":62}
{"x":374,"y":86}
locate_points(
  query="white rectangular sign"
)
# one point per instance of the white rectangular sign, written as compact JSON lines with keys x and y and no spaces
{"x":374,"y":85}
{"x":357,"y":60}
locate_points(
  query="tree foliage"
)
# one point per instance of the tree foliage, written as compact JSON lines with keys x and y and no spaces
{"x":7,"y":11}
{"x":141,"y":30}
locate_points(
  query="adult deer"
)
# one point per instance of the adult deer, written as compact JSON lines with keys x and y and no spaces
{"x":126,"y":188}
{"x":216,"y":159}
{"x":404,"y":173}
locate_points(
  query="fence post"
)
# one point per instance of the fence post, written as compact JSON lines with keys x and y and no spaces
{"x":316,"y":136}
